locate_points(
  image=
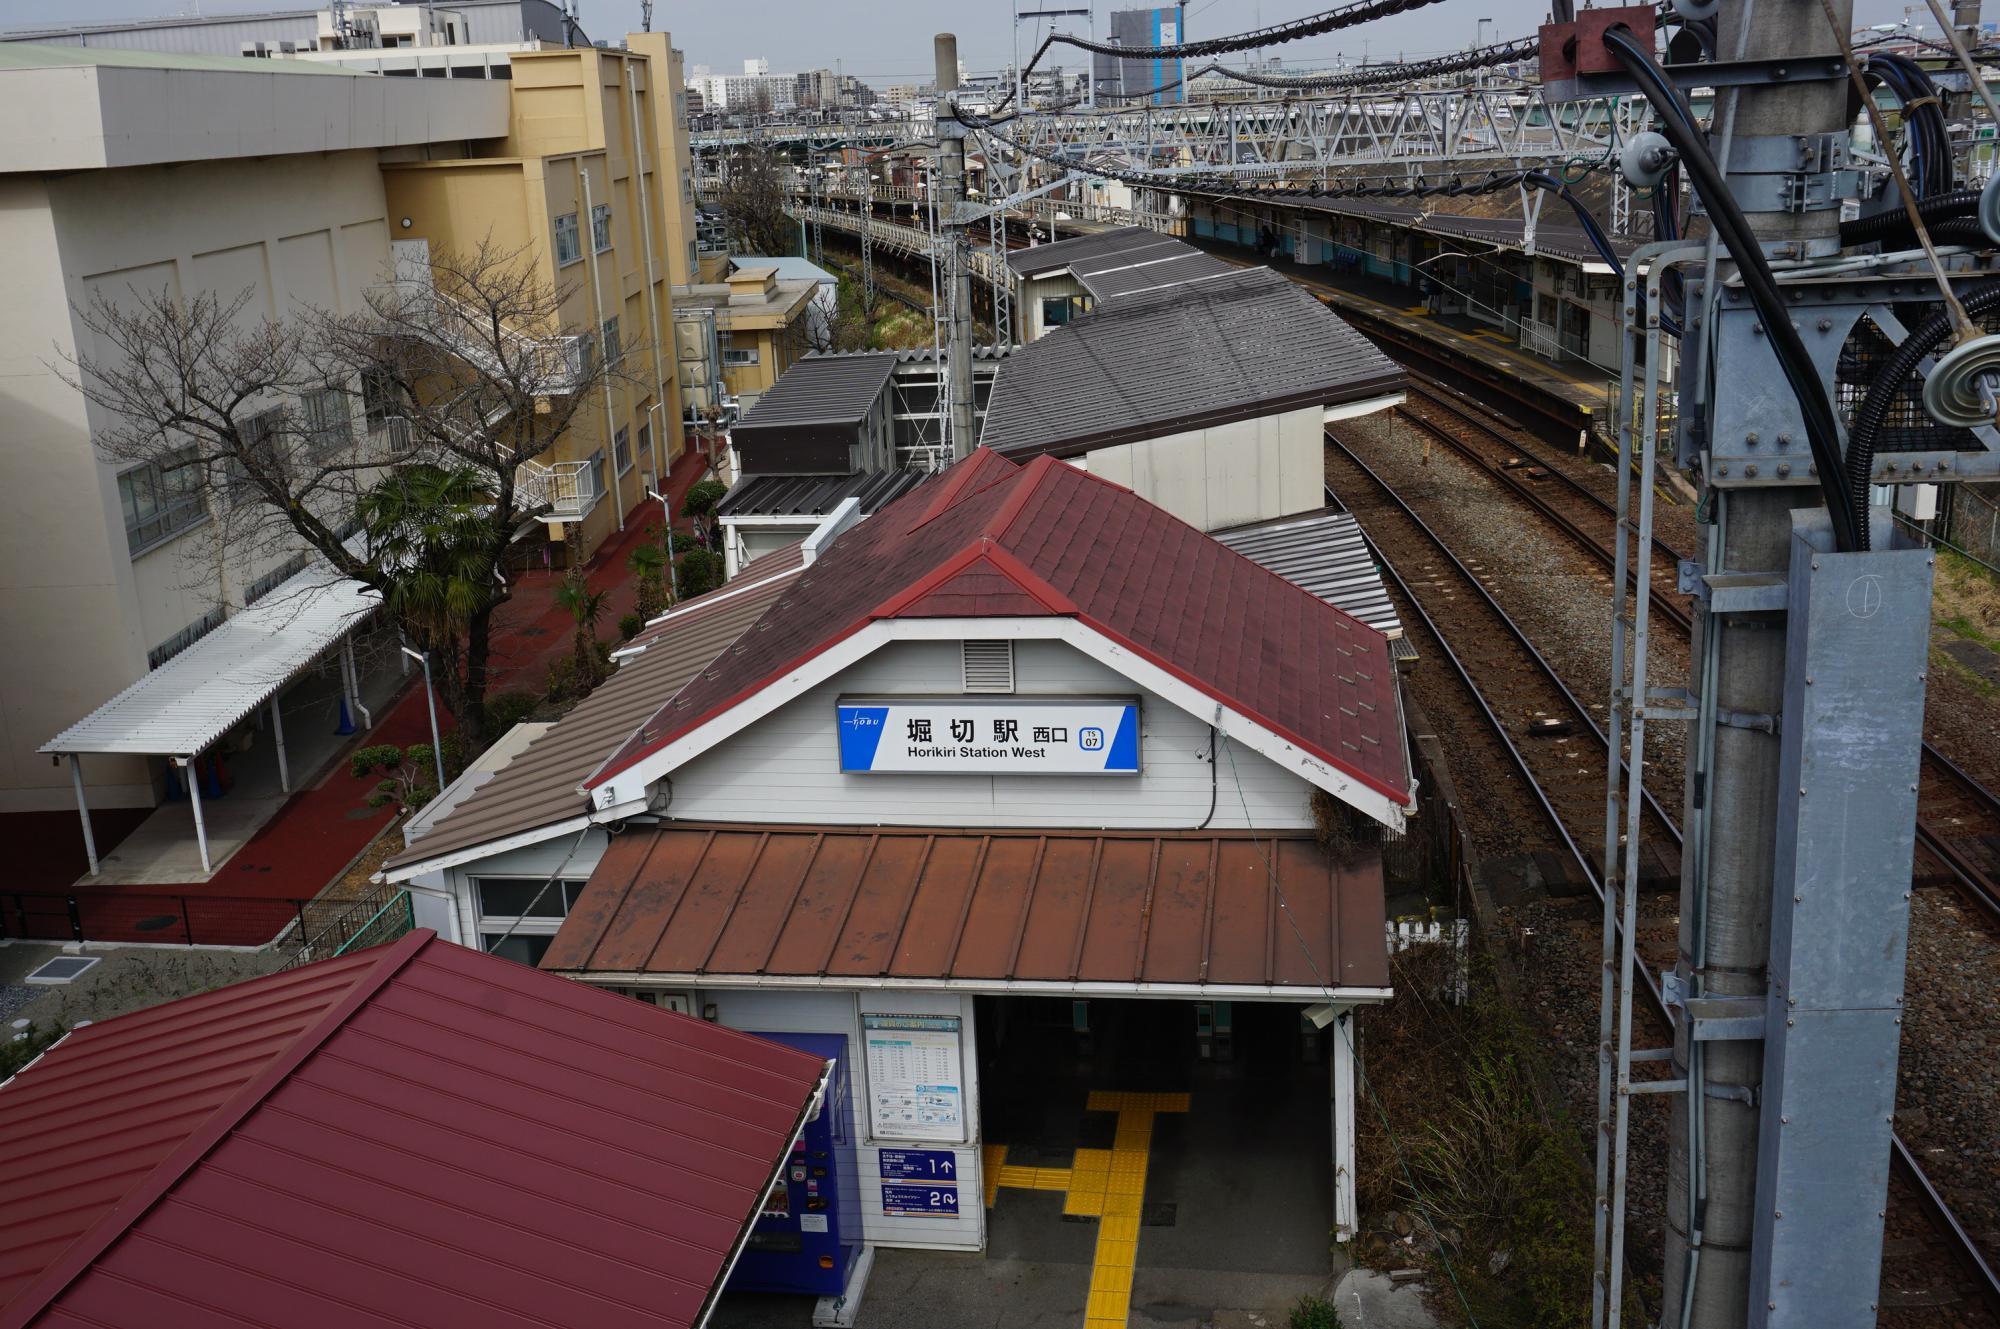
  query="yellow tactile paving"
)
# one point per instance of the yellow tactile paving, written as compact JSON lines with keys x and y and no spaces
{"x":1109,"y":1184}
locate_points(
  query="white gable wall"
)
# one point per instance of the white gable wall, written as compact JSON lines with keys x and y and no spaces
{"x":1226,"y":475}
{"x":786,"y":766}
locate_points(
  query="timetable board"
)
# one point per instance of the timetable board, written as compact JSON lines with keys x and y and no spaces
{"x":916,"y":1077}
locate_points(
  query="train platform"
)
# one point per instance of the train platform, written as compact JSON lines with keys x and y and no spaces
{"x":1572,"y":394}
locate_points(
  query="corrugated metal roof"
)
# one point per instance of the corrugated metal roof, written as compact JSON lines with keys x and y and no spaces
{"x":1223,"y":348}
{"x":1191,"y":910}
{"x":1063,"y":253}
{"x":414,"y":1135}
{"x":990,"y":539}
{"x":537,"y":789}
{"x":202,"y":693}
{"x":822,"y":390}
{"x":1185,"y":264}
{"x":1326,"y":553}
{"x":814,"y":495}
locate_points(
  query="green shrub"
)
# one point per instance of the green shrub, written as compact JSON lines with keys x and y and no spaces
{"x":509,"y":709}
{"x":701,"y":570}
{"x":25,"y":1045}
{"x":1314,"y":1313}
{"x":630,"y":626}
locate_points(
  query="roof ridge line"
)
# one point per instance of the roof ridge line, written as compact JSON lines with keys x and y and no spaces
{"x":1029,"y":481}
{"x":76,"y":1258}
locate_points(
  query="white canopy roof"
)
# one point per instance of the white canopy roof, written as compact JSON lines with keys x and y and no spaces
{"x":202,"y":693}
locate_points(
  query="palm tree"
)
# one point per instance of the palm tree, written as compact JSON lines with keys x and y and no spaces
{"x":432,"y":523}
{"x":649,"y":564}
{"x":586,"y":607}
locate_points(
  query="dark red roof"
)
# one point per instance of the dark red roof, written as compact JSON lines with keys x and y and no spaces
{"x":1064,"y":908}
{"x":414,"y":1135}
{"x":992,"y":539}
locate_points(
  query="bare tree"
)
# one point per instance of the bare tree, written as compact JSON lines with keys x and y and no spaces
{"x":463,"y":378}
{"x":753,"y":198}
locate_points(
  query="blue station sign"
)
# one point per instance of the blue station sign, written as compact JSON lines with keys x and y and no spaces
{"x":990,"y":735}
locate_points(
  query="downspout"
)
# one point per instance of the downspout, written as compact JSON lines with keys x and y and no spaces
{"x":652,"y":293}
{"x":597,"y":313}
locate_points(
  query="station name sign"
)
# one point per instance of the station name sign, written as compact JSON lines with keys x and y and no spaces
{"x":989,"y":735}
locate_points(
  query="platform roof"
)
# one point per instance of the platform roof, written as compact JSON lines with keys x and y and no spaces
{"x":418,"y":1135}
{"x":201,"y":694}
{"x":1236,"y":345}
{"x":1187,"y":914}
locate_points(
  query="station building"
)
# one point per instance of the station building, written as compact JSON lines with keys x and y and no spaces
{"x":1052,"y":814}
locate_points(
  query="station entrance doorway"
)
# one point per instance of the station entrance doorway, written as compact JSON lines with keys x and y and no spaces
{"x":1171,"y":1152}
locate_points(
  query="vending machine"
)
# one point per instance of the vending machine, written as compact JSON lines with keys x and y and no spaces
{"x":799,"y":1242}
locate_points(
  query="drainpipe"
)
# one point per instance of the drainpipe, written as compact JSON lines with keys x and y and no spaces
{"x":597,"y":312}
{"x":652,"y":293}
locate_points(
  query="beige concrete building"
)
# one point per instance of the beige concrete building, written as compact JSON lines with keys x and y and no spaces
{"x":265,"y":177}
{"x":305,"y":184}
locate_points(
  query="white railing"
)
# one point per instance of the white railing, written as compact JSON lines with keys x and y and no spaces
{"x":564,"y":488}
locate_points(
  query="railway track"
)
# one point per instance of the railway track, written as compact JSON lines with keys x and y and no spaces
{"x":1577,"y":819}
{"x":1958,"y":816}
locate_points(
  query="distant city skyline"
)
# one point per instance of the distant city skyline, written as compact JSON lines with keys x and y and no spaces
{"x":889,"y":41}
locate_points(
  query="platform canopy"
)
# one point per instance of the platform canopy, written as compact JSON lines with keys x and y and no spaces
{"x":182,"y":707}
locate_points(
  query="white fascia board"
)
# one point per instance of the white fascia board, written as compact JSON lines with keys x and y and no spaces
{"x":488,"y":849}
{"x":1366,"y":406}
{"x":1016,"y":987}
{"x":804,"y":520}
{"x":613,"y":799}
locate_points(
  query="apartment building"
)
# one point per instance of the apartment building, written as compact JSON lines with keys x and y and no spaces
{"x":266,"y":178}
{"x":576,"y":189}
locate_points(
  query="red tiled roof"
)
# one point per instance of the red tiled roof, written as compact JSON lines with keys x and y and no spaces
{"x":990,"y":539}
{"x":414,"y":1135}
{"x":1062,"y":908}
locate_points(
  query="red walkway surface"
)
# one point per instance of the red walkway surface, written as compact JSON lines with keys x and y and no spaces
{"x":323,"y":828}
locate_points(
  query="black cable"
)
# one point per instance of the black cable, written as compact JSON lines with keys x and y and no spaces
{"x":1960,"y":203}
{"x":1822,"y":428}
{"x":1890,"y":383}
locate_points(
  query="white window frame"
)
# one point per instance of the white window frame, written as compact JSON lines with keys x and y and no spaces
{"x":621,"y":449}
{"x":566,"y":228}
{"x":172,"y":511}
{"x":600,"y":227}
{"x":490,"y":928}
{"x":614,"y":346}
{"x":732,"y":358}
{"x":329,"y":421}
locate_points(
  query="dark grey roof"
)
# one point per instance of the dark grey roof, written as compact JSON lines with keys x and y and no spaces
{"x":1232,"y":347}
{"x":1185,"y":263}
{"x":814,"y":495}
{"x":1322,"y":552}
{"x":1554,"y":237}
{"x":823,"y":390}
{"x":1064,"y":253}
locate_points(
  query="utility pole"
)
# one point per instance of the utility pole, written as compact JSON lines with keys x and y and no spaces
{"x":1746,"y":654}
{"x":1804,"y":699}
{"x":957,"y":244}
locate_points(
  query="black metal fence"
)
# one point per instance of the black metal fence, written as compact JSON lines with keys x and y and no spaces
{"x":145,"y":914}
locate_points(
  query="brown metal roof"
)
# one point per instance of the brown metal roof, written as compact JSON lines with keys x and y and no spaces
{"x":538,"y":787}
{"x":1065,"y":910}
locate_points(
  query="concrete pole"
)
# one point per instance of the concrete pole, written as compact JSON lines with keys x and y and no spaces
{"x":950,"y":186}
{"x":1726,"y":876}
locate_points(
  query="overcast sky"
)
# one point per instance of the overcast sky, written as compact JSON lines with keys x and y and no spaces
{"x":889,"y":41}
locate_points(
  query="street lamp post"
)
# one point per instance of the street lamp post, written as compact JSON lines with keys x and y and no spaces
{"x":667,"y":511}
{"x":430,"y":698}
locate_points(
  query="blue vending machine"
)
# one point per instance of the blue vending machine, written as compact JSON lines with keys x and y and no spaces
{"x":797,"y":1243}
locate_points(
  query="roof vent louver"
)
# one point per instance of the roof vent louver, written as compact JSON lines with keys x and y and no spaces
{"x":988,"y":666}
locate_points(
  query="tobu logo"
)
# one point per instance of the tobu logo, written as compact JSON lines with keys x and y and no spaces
{"x":1090,"y":740}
